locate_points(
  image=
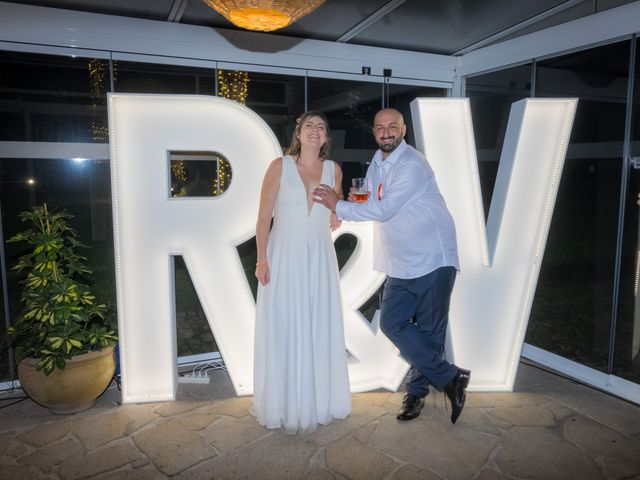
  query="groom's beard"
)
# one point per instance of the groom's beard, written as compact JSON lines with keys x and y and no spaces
{"x":389,"y":147}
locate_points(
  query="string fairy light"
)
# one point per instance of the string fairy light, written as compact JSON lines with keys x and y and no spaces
{"x":99,"y":86}
{"x":234,"y":85}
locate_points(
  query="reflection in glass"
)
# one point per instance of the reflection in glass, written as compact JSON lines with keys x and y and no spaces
{"x":199,"y":174}
{"x":571,"y":314}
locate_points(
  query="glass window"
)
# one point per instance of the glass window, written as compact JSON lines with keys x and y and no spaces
{"x":5,"y":372}
{"x":136,"y":77}
{"x":571,"y":314}
{"x":491,"y":96}
{"x":51,"y":98}
{"x":83,"y":188}
{"x":350,"y":107}
{"x":192,"y":328}
{"x":400,"y":98}
{"x":626,"y":357}
{"x":277,"y":99}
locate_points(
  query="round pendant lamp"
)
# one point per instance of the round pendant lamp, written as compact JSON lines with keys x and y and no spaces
{"x":263,"y":15}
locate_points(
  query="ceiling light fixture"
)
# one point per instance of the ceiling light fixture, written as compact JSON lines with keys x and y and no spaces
{"x":263,"y":15}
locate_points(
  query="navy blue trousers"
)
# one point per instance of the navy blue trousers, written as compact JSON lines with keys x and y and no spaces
{"x":421,"y":342}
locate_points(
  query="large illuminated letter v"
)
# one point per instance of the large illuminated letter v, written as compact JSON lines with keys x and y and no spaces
{"x":493,"y":294}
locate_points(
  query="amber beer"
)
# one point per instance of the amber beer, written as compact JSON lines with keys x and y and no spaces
{"x":361,"y":197}
{"x":360,"y":193}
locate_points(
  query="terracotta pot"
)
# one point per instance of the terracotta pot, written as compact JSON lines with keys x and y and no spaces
{"x":73,"y":389}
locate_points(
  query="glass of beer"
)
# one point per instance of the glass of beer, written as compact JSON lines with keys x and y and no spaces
{"x":361,"y":192}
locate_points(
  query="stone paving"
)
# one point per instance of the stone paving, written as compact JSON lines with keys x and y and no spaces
{"x":549,"y":428}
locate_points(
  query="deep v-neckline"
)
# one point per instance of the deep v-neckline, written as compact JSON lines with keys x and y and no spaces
{"x":308,"y":199}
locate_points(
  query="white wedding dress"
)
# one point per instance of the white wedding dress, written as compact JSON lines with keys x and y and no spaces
{"x":300,"y":361}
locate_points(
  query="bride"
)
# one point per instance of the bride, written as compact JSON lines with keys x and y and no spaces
{"x":300,"y":360}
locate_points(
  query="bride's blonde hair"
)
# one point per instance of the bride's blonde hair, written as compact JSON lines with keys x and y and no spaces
{"x":294,"y":149}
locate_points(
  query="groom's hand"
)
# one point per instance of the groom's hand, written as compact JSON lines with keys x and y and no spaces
{"x":327,"y":196}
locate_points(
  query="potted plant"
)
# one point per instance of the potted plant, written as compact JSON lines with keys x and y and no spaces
{"x":63,"y":343}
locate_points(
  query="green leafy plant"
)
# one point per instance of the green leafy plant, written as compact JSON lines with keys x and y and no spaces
{"x":61,"y":317}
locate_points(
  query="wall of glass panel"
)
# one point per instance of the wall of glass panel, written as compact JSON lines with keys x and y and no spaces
{"x":625,"y":361}
{"x":572,"y":312}
{"x":48,"y":98}
{"x":139,"y":77}
{"x":575,"y":312}
{"x":62,"y":98}
{"x":279,"y":99}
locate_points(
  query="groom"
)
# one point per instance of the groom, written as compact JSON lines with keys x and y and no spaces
{"x":415,"y":245}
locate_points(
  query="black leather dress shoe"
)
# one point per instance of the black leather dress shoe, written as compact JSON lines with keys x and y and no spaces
{"x":411,"y":406}
{"x":456,"y":392}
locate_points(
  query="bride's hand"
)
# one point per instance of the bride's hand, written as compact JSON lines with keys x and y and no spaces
{"x":262,"y":271}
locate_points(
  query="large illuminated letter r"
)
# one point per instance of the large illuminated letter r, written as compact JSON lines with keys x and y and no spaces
{"x":150,"y":227}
